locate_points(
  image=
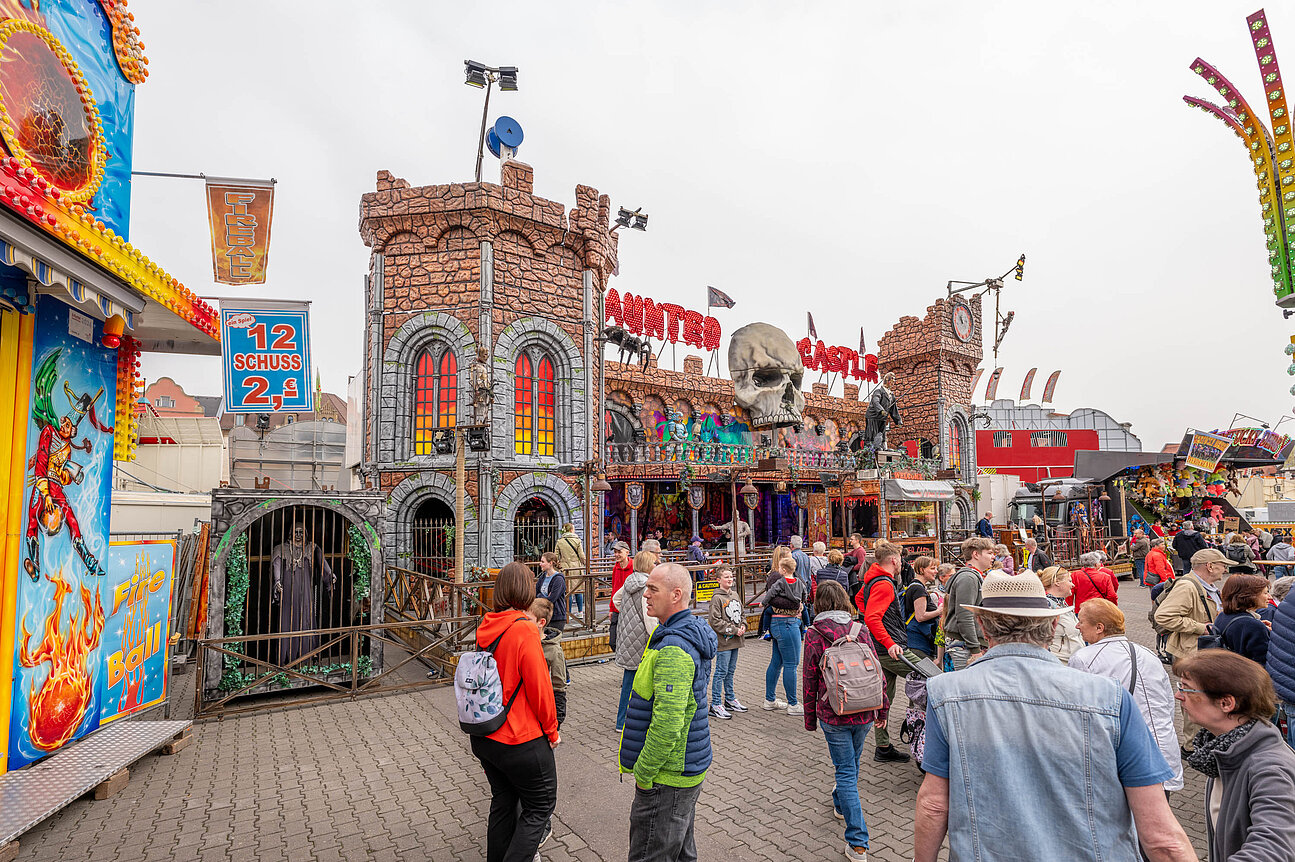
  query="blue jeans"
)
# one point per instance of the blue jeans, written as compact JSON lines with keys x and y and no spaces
{"x":627,"y":686}
{"x":1289,"y":710}
{"x":786,"y":654}
{"x":1281,"y":571}
{"x":1139,"y":569}
{"x":577,"y":604}
{"x":725,"y":665}
{"x":765,"y":616}
{"x":845,"y":744}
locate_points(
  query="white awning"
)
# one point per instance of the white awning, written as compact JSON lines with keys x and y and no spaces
{"x":917,"y":489}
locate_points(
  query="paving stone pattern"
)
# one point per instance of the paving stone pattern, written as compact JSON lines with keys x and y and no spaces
{"x":392,"y":778}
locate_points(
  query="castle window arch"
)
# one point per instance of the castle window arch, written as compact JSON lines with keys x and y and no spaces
{"x":436,"y":394}
{"x":534,"y":403}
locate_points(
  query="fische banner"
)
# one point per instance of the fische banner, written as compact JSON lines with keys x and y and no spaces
{"x":240,"y":217}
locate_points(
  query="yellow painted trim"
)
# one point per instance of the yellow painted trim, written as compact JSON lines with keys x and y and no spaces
{"x":17,"y":337}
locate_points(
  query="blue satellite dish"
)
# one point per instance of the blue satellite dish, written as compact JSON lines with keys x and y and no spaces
{"x":509,"y":132}
{"x":492,"y":141}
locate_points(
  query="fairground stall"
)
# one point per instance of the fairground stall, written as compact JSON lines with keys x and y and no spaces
{"x":85,"y":622}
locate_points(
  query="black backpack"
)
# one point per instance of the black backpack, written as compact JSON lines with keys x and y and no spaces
{"x":1236,"y":553}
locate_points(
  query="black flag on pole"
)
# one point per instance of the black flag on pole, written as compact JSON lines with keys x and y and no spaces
{"x":813,"y":333}
{"x":716,"y":298}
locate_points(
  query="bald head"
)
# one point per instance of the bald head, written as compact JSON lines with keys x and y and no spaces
{"x":668,"y":591}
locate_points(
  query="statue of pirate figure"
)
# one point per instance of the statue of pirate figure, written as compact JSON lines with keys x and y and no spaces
{"x":482,"y":392}
{"x":52,"y":466}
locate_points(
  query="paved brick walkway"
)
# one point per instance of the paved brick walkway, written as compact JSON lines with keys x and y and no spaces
{"x":392,"y":779}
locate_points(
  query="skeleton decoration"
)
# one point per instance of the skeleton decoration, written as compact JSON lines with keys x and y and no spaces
{"x":767,"y":372}
{"x":482,"y":392}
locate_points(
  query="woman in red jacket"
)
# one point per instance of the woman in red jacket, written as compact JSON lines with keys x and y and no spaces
{"x":1157,"y":568}
{"x":518,"y":758}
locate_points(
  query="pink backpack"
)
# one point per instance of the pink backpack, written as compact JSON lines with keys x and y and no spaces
{"x":852,"y":677}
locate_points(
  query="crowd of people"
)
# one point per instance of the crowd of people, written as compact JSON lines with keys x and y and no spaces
{"x":1025,"y":695}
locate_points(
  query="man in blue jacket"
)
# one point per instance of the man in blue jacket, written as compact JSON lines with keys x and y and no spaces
{"x":984,"y":527}
{"x":1281,"y":662}
{"x":666,"y":741}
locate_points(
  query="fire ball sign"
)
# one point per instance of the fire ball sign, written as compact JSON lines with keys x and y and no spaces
{"x":267,"y":359}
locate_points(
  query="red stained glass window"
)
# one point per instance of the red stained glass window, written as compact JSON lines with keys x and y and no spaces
{"x":436,"y":396}
{"x":535,"y":405}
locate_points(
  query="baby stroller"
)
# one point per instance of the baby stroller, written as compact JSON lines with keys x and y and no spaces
{"x":913,"y":731}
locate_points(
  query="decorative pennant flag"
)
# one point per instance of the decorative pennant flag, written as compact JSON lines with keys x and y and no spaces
{"x":863,"y":345}
{"x":1025,"y":387}
{"x":975,"y":381}
{"x":1207,"y":450}
{"x":240,"y":216}
{"x":991,"y":390}
{"x":1050,"y":387}
{"x":813,"y":333}
{"x":716,"y":298}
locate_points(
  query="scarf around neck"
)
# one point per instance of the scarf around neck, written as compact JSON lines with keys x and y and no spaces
{"x":1207,"y":745}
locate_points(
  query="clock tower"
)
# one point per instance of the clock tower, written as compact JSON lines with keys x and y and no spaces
{"x":934,"y":360}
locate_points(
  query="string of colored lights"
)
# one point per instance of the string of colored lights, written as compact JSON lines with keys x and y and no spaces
{"x":1241,"y":118}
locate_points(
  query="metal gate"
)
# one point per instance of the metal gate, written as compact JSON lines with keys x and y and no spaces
{"x":297,"y":578}
{"x":431,"y":540}
{"x":535,"y":530}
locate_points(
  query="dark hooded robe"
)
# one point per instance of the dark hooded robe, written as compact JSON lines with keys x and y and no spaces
{"x":295,"y":567}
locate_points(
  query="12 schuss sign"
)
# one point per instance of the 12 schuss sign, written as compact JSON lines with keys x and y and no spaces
{"x":640,"y":315}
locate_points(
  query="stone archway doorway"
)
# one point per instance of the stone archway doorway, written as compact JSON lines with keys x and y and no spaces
{"x":535,"y":530}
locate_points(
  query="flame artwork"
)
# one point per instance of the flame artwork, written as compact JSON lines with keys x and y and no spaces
{"x":56,"y":710}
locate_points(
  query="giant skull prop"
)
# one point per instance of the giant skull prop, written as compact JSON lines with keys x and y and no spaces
{"x":766,"y":371}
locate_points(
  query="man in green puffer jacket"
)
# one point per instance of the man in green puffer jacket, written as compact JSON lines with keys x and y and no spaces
{"x":666,"y":741}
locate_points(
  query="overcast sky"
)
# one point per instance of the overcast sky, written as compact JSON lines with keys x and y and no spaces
{"x":846,"y":159}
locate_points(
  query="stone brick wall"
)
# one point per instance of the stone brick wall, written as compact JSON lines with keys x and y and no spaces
{"x":933,"y":368}
{"x":470,"y":265}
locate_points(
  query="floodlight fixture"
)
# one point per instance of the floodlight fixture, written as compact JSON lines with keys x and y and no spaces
{"x":443,"y":441}
{"x":508,"y":78}
{"x":636,"y":219}
{"x":478,"y":438}
{"x":476,"y":76}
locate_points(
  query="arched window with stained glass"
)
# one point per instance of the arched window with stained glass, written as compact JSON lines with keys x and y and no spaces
{"x":534,"y":404}
{"x":436,"y":395}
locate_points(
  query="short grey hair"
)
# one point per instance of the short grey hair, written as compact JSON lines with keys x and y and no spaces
{"x":676,"y":578}
{"x":1090,"y":560}
{"x":1281,"y":588}
{"x":1031,"y":542}
{"x":652,"y":546}
{"x":819,"y":549}
{"x":796,"y":542}
{"x":1009,"y":629}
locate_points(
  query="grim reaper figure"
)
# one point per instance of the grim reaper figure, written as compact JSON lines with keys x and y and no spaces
{"x":295,"y":565}
{"x":881,"y":411}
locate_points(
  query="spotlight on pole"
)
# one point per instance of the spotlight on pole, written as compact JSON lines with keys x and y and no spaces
{"x":476,"y":74}
{"x":636,"y":219}
{"x":508,"y":79}
{"x":443,"y":441}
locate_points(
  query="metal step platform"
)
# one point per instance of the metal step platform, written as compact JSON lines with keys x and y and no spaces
{"x":30,"y":795}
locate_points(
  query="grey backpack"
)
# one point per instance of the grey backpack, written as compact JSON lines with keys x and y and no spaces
{"x":852,"y":677}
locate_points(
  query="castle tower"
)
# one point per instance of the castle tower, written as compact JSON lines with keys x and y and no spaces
{"x":468,"y":270}
{"x":934,"y":360}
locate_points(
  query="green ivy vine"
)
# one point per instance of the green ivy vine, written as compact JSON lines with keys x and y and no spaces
{"x":361,"y":557}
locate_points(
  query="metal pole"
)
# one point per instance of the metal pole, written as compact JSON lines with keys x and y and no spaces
{"x":737,"y":554}
{"x":481,"y":142}
{"x":460,"y":503}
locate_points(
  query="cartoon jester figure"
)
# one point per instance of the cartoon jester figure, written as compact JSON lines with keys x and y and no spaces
{"x":52,"y":466}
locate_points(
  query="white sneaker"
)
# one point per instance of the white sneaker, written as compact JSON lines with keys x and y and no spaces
{"x":796,"y":709}
{"x":734,"y":705}
{"x":856,"y":855}
{"x":775,"y":704}
{"x":837,"y":814}
{"x":720,"y":712}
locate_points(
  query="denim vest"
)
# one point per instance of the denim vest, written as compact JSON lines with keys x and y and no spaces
{"x":1032,"y":771}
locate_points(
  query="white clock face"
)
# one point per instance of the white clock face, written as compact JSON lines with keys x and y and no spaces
{"x":962,"y":322}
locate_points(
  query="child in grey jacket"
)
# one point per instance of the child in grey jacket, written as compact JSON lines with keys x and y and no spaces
{"x":728,"y":619}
